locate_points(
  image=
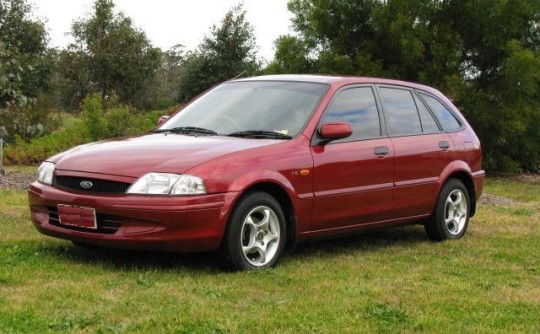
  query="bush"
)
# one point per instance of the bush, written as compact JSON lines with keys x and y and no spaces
{"x":94,"y":124}
{"x":72,"y":133}
{"x":123,"y":121}
{"x":30,"y":121}
{"x":93,"y":117}
{"x":118,"y":121}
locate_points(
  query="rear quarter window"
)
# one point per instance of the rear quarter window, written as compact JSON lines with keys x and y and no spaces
{"x":448,"y":121}
{"x":429,"y":125}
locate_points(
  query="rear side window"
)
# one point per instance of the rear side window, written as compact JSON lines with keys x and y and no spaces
{"x":445,"y":117}
{"x":429,"y":125}
{"x":357,"y":107}
{"x":400,"y":111}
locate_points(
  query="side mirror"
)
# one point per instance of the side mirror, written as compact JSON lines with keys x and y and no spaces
{"x":333,"y":131}
{"x":162,"y":119}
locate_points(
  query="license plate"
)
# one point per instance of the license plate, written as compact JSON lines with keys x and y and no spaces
{"x":77,"y":216}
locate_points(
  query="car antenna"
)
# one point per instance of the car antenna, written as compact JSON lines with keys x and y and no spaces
{"x":239,"y":75}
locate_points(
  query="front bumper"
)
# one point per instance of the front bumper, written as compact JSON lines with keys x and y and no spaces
{"x":194,"y":223}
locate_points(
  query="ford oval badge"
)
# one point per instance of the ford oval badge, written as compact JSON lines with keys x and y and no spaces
{"x":86,"y":184}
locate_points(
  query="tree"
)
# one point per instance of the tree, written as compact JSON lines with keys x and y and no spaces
{"x":118,"y":57}
{"x":24,"y":69}
{"x":500,"y":67}
{"x":398,"y":39}
{"x":23,"y":54}
{"x":161,"y":92}
{"x":228,"y":51}
{"x":69,"y":80}
{"x":292,"y":56}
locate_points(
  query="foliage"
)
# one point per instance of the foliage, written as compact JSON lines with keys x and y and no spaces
{"x":33,"y":120}
{"x":500,"y":92}
{"x":117,"y":57}
{"x":482,"y":53}
{"x":71,"y":133}
{"x":388,"y":281}
{"x":292,"y":56}
{"x":228,"y":51}
{"x":24,"y":71}
{"x":23,"y":54}
{"x":120,"y":120}
{"x":70,"y":80}
{"x":397,"y":39}
{"x":110,"y":56}
{"x":161,"y":91}
{"x":94,"y":117}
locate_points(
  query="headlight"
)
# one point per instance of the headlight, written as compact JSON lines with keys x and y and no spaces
{"x":168,"y":184}
{"x":45,"y":173}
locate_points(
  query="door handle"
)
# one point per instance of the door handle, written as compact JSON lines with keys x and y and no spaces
{"x":444,"y":145}
{"x":380,"y":151}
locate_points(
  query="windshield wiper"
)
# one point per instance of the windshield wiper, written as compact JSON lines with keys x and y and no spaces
{"x":187,"y":130}
{"x":260,"y":134}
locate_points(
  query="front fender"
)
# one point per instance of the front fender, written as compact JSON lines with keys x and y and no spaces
{"x":267,"y":180}
{"x":248,"y":180}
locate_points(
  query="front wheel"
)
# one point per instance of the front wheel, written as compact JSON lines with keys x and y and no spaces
{"x":451,"y":216}
{"x":256,"y":233}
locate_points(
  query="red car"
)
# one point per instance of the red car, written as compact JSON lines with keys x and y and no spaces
{"x":257,"y":165}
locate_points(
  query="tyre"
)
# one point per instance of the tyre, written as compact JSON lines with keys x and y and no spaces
{"x":451,"y":216}
{"x":256,"y":233}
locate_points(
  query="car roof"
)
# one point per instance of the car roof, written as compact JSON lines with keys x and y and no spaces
{"x":337,"y":80}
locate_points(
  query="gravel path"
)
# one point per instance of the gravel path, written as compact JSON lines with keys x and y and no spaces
{"x":489,"y":199}
{"x":16,"y":180}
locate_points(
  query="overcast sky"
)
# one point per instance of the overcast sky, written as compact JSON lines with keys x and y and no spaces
{"x":170,"y":22}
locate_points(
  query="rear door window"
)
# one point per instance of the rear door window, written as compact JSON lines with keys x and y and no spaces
{"x":400,"y":112}
{"x":357,"y":107}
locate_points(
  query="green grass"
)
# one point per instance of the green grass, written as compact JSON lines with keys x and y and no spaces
{"x":380,"y":282}
{"x":516,"y":188}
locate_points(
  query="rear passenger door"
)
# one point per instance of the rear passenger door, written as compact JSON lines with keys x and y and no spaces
{"x":353,"y":177}
{"x":422,"y":150}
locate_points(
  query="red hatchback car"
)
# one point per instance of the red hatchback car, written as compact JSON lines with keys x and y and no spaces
{"x":256,"y":165}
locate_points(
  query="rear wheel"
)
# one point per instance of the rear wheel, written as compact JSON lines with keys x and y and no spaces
{"x":451,"y":217}
{"x":256,"y":233}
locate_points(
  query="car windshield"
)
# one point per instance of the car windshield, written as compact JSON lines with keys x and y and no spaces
{"x":255,"y":109}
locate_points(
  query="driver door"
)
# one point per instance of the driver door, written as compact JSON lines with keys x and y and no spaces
{"x":353,"y":179}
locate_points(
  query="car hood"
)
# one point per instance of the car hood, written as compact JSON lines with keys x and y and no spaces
{"x":167,"y":153}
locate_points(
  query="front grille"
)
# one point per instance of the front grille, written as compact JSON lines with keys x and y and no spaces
{"x":98,"y":185}
{"x":106,"y":224}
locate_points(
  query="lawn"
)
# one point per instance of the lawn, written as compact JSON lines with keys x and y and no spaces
{"x":379,"y":282}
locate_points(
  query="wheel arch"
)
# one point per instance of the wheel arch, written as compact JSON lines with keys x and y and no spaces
{"x":282,"y":197}
{"x":467,"y":181}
